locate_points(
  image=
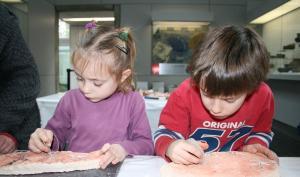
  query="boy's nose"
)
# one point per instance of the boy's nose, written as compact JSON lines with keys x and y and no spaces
{"x":216,"y":106}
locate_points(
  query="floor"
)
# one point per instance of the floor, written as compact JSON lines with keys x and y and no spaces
{"x":286,"y":141}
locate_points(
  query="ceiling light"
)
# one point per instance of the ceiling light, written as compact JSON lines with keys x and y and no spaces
{"x":180,"y":24}
{"x":11,"y":1}
{"x":111,"y":19}
{"x":277,"y":12}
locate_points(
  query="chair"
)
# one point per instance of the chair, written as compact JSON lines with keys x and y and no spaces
{"x":142,"y":85}
{"x":158,"y":86}
{"x":71,"y":79}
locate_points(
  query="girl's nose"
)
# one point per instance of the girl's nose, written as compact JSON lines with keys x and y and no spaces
{"x":86,"y":87}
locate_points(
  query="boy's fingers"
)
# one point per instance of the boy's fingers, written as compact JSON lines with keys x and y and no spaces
{"x":203,"y":145}
{"x":178,"y":158}
{"x":249,"y":148}
{"x":267,"y":152}
{"x":196,"y":152}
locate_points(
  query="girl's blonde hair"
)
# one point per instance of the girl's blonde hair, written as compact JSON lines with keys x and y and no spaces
{"x":103,"y":40}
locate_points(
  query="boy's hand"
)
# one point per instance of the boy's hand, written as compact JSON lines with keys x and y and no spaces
{"x":111,"y":153}
{"x":260,"y":150}
{"x":186,"y":151}
{"x":40,"y":140}
{"x":7,"y":145}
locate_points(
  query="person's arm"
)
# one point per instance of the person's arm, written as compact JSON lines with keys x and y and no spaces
{"x":139,"y":140}
{"x":259,"y":140}
{"x":19,"y":82}
{"x":262,"y":133}
{"x":173,"y":124}
{"x":60,"y":124}
{"x":8,"y":143}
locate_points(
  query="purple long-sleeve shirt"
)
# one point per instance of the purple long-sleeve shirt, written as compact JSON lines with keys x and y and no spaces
{"x":86,"y":126}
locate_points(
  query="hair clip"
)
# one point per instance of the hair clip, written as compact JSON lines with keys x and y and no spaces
{"x":90,"y":25}
{"x":123,"y":36}
{"x":123,"y":49}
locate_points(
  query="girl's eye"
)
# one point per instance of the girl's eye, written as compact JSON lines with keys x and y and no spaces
{"x":98,"y":84}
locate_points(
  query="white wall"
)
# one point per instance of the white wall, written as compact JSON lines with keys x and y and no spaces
{"x":42,"y":41}
{"x":281,"y":31}
{"x":256,"y":8}
{"x":287,"y":101}
{"x":277,"y":33}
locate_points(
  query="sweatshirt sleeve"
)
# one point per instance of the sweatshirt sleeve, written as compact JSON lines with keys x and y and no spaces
{"x":60,"y":124}
{"x":173,"y":124}
{"x":262,"y":133}
{"x":139,"y":141}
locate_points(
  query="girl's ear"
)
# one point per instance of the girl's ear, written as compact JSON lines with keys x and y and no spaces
{"x":125,"y":75}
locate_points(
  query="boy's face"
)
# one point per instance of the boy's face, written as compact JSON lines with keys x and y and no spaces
{"x":222,"y":107}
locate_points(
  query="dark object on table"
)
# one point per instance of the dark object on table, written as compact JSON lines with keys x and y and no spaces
{"x":297,"y":39}
{"x":110,"y":171}
{"x":280,"y":55}
{"x":295,"y":65}
{"x":289,"y":46}
{"x":284,"y":70}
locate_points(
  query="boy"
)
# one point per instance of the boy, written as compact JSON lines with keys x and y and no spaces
{"x":225,"y":103}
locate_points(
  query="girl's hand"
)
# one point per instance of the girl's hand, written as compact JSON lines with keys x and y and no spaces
{"x":7,"y":145}
{"x":186,"y":151}
{"x":40,"y":140}
{"x":111,"y":153}
{"x":260,"y":150}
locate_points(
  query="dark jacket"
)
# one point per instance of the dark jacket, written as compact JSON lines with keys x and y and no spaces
{"x":19,"y":82}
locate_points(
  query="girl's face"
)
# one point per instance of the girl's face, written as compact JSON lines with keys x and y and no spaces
{"x":95,"y":87}
{"x":222,"y":107}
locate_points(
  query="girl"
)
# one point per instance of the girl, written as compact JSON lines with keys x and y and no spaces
{"x":104,"y":113}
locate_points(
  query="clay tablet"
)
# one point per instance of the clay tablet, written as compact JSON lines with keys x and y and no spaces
{"x":225,"y":164}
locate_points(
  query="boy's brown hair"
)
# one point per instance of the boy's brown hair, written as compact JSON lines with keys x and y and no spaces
{"x":230,"y":61}
{"x":107,"y":40}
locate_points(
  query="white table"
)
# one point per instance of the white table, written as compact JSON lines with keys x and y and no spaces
{"x":47,"y":105}
{"x":149,"y":166}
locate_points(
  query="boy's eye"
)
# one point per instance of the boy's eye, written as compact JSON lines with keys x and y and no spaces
{"x":229,"y":100}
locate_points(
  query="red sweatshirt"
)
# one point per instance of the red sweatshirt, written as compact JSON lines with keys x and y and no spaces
{"x":184,"y":116}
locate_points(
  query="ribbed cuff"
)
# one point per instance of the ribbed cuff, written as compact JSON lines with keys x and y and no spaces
{"x":10,"y":137}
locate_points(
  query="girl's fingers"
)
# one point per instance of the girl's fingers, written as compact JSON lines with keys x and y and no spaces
{"x":37,"y":145}
{"x":33,"y":147}
{"x":105,"y":148}
{"x":106,"y":159}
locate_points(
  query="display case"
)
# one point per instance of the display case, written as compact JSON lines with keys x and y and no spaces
{"x":282,"y":39}
{"x":172,"y":45}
